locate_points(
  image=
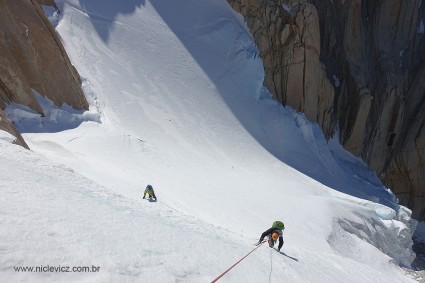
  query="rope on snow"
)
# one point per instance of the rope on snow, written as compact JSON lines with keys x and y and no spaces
{"x":221,"y":275}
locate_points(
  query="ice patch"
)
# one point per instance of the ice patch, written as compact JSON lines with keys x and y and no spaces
{"x":392,"y":237}
{"x":52,"y":14}
{"x":55,"y":118}
{"x":94,"y":102}
{"x":385,"y":213}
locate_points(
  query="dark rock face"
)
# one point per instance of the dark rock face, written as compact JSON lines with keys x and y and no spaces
{"x":289,"y":44}
{"x":374,"y":53}
{"x":32,"y":57}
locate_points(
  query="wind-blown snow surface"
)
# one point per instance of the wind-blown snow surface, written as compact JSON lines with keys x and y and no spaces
{"x":178,"y":85}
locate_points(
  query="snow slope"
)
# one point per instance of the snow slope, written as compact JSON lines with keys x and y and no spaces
{"x":177,"y":101}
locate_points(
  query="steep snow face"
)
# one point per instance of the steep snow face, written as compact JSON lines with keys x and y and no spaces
{"x":56,"y":218}
{"x":178,"y":87}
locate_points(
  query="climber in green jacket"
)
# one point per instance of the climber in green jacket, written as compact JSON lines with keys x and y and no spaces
{"x":274,"y":233}
{"x":150,"y":192}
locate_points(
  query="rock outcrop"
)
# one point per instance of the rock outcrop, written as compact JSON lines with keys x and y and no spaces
{"x":289,"y":44}
{"x":374,"y":53}
{"x":32,"y":57}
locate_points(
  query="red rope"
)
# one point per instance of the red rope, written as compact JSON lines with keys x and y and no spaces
{"x":221,"y":275}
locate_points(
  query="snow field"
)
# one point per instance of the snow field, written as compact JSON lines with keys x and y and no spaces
{"x":177,"y":102}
